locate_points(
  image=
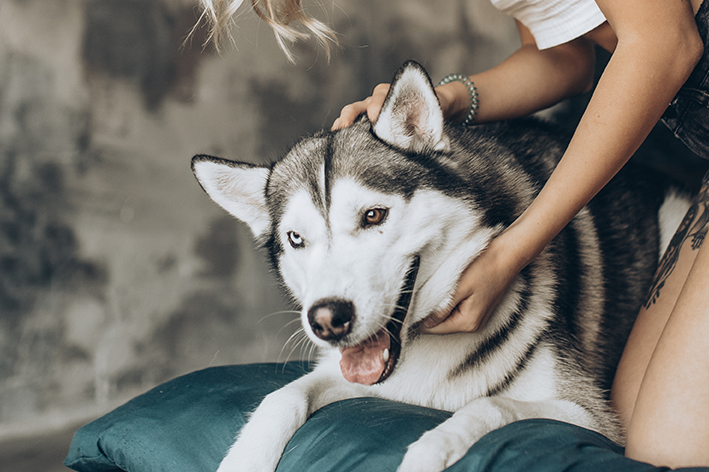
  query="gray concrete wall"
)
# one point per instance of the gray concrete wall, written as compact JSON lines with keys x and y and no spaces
{"x":116,"y":271}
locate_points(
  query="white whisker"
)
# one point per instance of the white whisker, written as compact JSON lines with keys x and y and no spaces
{"x":298,"y":338}
{"x":276,"y":313}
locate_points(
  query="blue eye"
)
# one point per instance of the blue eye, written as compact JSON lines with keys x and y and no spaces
{"x":295,"y":240}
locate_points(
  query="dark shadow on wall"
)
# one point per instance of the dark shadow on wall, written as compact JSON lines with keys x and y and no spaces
{"x":141,"y":41}
{"x":39,"y":253}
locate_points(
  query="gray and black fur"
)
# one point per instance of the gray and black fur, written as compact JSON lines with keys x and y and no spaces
{"x":571,"y":308}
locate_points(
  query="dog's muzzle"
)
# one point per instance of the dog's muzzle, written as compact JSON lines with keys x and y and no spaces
{"x":374,"y":360}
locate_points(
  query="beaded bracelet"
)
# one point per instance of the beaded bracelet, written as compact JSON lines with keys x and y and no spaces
{"x":472,"y":91}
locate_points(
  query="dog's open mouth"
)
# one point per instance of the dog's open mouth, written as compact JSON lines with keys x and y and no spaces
{"x":374,"y":360}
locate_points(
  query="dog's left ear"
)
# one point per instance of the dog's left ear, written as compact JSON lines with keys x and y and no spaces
{"x":411,"y":117}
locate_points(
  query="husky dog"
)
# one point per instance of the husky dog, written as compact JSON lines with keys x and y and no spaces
{"x":370,"y":228}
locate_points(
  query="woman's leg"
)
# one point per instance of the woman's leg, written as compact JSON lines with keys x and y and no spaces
{"x":661,"y":385}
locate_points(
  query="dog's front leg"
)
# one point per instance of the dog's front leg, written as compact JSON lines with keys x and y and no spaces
{"x":448,"y":442}
{"x":261,"y":441}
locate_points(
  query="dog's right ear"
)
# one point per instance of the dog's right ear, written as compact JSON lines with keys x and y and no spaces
{"x":239,"y":188}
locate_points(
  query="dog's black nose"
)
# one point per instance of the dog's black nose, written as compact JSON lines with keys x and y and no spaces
{"x":331,"y":319}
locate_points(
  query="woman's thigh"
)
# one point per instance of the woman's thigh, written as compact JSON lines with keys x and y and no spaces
{"x":666,"y":287}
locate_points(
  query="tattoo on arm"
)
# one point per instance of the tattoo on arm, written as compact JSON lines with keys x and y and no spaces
{"x":693,"y":228}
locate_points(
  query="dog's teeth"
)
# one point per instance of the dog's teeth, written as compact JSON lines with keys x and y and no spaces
{"x":385,"y":355}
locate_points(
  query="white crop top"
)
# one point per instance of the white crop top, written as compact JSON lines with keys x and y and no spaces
{"x":553,"y":22}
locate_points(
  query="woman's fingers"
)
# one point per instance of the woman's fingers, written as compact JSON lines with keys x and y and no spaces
{"x":371,"y":105}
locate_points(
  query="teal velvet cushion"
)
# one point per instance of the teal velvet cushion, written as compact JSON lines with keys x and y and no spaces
{"x":188,"y":424}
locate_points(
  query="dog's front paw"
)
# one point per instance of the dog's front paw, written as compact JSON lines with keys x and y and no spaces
{"x":260,"y":443}
{"x":434,"y":452}
{"x":245,"y":456}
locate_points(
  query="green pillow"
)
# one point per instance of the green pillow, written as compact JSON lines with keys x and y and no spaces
{"x":188,"y":424}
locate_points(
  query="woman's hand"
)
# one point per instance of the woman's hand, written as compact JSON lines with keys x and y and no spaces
{"x":479,"y":291}
{"x":371,"y":105}
{"x":453,"y":98}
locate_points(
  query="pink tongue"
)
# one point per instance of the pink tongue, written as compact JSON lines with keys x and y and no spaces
{"x":364,"y":364}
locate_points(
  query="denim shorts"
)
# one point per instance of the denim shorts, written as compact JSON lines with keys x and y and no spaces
{"x":688,"y":113}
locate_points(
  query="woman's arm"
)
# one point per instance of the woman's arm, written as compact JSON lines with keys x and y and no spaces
{"x":527,"y":81}
{"x":658,"y":46}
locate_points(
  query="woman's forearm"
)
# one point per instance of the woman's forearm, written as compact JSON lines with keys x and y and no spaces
{"x":638,"y":83}
{"x":527,"y":81}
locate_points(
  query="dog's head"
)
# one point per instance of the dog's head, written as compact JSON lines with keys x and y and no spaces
{"x":369,"y":227}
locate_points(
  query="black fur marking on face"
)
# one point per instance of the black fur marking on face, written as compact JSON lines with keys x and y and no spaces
{"x":328,"y":170}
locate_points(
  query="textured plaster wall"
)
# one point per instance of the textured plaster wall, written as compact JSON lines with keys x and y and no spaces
{"x":116,"y":271}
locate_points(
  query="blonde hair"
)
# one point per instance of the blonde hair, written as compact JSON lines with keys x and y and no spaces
{"x":278,"y":14}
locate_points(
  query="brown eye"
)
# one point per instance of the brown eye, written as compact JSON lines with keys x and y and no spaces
{"x":374,"y":216}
